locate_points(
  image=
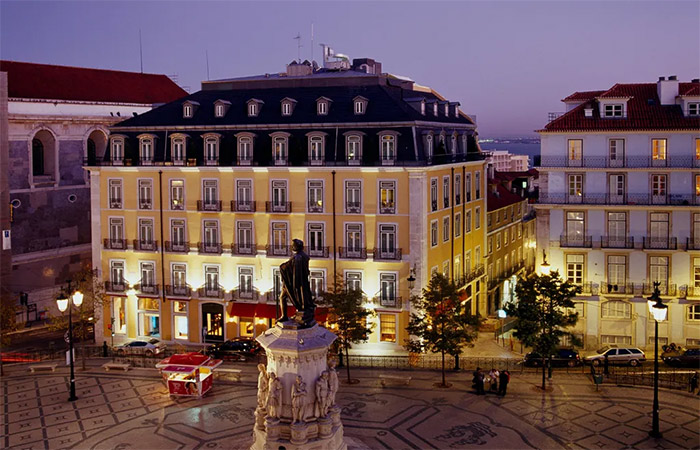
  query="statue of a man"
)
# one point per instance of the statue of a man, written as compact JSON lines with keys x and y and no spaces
{"x":263,"y":385}
{"x":274,"y":397}
{"x":296,"y":286}
{"x":333,"y":383}
{"x":298,"y":400}
{"x":322,"y":395}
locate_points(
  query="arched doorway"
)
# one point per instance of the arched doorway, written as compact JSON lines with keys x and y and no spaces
{"x":213,"y":322}
{"x":43,"y":155}
{"x":96,"y":147}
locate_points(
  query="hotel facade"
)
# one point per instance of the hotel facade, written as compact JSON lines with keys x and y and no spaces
{"x":619,"y":209}
{"x":194,"y":205}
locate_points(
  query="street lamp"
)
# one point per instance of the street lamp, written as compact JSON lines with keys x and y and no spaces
{"x":658,"y":311}
{"x":64,"y":303}
{"x":545,"y":265}
{"x":411,"y":279}
{"x":502,"y":315}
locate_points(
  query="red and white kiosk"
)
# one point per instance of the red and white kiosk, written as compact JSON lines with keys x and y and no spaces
{"x":188,"y":374}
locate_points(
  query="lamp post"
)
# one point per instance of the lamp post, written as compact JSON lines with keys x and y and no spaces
{"x":64,"y":303}
{"x":502,"y":315}
{"x":658,"y":310}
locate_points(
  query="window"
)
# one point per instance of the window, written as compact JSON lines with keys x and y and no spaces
{"x":617,"y":273}
{"x":280,"y":150}
{"x":696,"y":273}
{"x":575,"y":227}
{"x":252,"y":109}
{"x":658,"y":271}
{"x":387,"y":197}
{"x":146,"y":150}
{"x":146,"y":241}
{"x":211,"y":195}
{"x":658,"y":229}
{"x":458,"y":225}
{"x":489,"y":244}
{"x":116,"y":274}
{"x":433,"y":233}
{"x":353,"y":239}
{"x":477,"y":185}
{"x":244,"y":236}
{"x":353,"y":149}
{"x":612,"y":339}
{"x":458,"y":189}
{"x":617,"y":229}
{"x":178,"y":240}
{"x":317,"y":280}
{"x":245,"y":150}
{"x":211,"y":150}
{"x":177,"y":194}
{"x":316,"y":150}
{"x":388,"y":148}
{"x":658,"y":149}
{"x":245,"y":282}
{"x":468,"y":221}
{"x":694,"y":312}
{"x":321,"y":107}
{"x":211,"y":279}
{"x":694,"y":109}
{"x":219,"y":110}
{"x":286,"y":109}
{"x":574,"y":268}
{"x":211,"y":234}
{"x":697,"y":185}
{"x":498,"y":241}
{"x":244,"y":195}
{"x":179,"y":276}
{"x":280,"y":240}
{"x":468,"y":261}
{"x":477,"y":218}
{"x":435,"y":109}
{"x":180,"y":320}
{"x":316,"y":240}
{"x":353,"y":281}
{"x":616,"y":309}
{"x":116,"y":233}
{"x":387,"y":326}
{"x":468,"y":187}
{"x":422,"y":107}
{"x":433,"y":194}
{"x":616,"y":188}
{"x":453,"y":141}
{"x":148,"y":275}
{"x":616,"y":152}
{"x":446,"y":228}
{"x":145,"y":194}
{"x":115,"y":194}
{"x":117,"y":149}
{"x":353,"y":197}
{"x":697,"y":150}
{"x":360,"y":105}
{"x":429,"y":146}
{"x":387,"y":241}
{"x":446,"y":192}
{"x":575,"y":191}
{"x":658,"y":188}
{"x":387,"y":289}
{"x":187,"y":110}
{"x":178,"y":150}
{"x":614,"y":110}
{"x":575,"y":151}
{"x":696,"y":230}
{"x":315,"y":196}
{"x":276,"y":283}
{"x":279,"y":196}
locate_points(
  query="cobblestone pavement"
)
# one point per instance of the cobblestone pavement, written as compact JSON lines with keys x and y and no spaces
{"x":132,"y":410}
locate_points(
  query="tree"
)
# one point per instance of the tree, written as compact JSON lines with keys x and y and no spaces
{"x":85,"y":316}
{"x":347,"y":317}
{"x":543,"y":312}
{"x":442,"y":323}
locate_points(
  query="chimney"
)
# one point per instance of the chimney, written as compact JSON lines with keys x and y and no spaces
{"x":667,"y":90}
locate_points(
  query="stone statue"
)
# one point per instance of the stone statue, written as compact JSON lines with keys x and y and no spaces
{"x":296,"y":286}
{"x":333,"y":383}
{"x":263,"y":385}
{"x":298,"y":400}
{"x":322,"y":395}
{"x":274,"y":397}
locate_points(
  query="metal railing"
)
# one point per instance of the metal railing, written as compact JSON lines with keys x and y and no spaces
{"x":152,"y":289}
{"x":616,"y":242}
{"x":243,"y":206}
{"x":667,"y":243}
{"x":388,"y":302}
{"x":278,"y":207}
{"x":353,"y":207}
{"x":619,"y":199}
{"x":211,"y":292}
{"x":115,"y":244}
{"x":575,"y":241}
{"x":603,"y":162}
{"x":148,"y":246}
{"x":278,"y":250}
{"x":619,"y":288}
{"x":470,"y":276}
{"x":315,"y":208}
{"x":352,"y":252}
{"x":177,"y":247}
{"x":244,"y":249}
{"x":209,"y":248}
{"x":318,"y":252}
{"x":383,"y":254}
{"x":111,"y":286}
{"x":178,"y":291}
{"x":692,"y":243}
{"x":208,"y":205}
{"x":387,"y":209}
{"x":664,"y":288}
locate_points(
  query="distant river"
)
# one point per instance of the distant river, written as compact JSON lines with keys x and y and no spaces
{"x":517,"y":148}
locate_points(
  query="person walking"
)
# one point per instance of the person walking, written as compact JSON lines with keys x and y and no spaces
{"x":693,"y":383}
{"x":493,"y":380}
{"x":503,"y":380}
{"x":479,"y":381}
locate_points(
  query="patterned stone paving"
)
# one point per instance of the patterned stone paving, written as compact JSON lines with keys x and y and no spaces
{"x":133,"y":411}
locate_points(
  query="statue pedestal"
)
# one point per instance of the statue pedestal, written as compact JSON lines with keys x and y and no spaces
{"x":291,"y":352}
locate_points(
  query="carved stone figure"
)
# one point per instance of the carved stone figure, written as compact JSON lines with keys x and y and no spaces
{"x":333,"y":383}
{"x":263,"y":385}
{"x":322,"y":395}
{"x":298,"y":400}
{"x":296,"y":286}
{"x":274,"y":397}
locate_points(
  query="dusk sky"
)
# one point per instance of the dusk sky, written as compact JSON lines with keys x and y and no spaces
{"x":509,"y":63}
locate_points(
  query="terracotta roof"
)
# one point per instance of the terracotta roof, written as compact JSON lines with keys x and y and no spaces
{"x":43,"y":81}
{"x":503,"y":199}
{"x":644,"y":111}
{"x":582,"y":96}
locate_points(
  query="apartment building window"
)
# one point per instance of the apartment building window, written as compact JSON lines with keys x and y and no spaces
{"x":388,"y":148}
{"x":658,"y":229}
{"x":658,"y":271}
{"x":467,"y":187}
{"x":477,"y":217}
{"x":387,"y":282}
{"x":279,"y":195}
{"x":446,"y":192}
{"x":252,"y":108}
{"x":697,"y":185}
{"x":616,"y":309}
{"x":696,"y":229}
{"x":353,"y":149}
{"x":211,"y":235}
{"x":180,"y":320}
{"x":146,"y":241}
{"x":280,"y":239}
{"x":146,"y":150}
{"x":211,"y":279}
{"x":617,"y":273}
{"x":387,"y":197}
{"x":458,"y":189}
{"x":187,"y":111}
{"x":697,"y":150}
{"x":458,"y":225}
{"x":617,"y":229}
{"x":314,"y":189}
{"x":286,"y":109}
{"x":387,"y":240}
{"x":177,"y":235}
{"x":115,"y":194}
{"x":616,"y":152}
{"x":219,"y":110}
{"x":614,"y":110}
{"x":694,"y":312}
{"x":211,"y":194}
{"x":616,"y":188}
{"x":477,"y":257}
{"x":116,"y":274}
{"x":433,"y":233}
{"x":148,"y":276}
{"x":468,"y":221}
{"x":658,"y":150}
{"x":489,"y":245}
{"x":244,"y":235}
{"x":453,"y":141}
{"x":316,"y":233}
{"x":446,"y":228}
{"x":575,"y":151}
{"x":245,"y":282}
{"x":317,"y":281}
{"x":244,"y":195}
{"x":575,"y":227}
{"x":177,"y":194}
{"x":477,"y":183}
{"x":316,"y":150}
{"x":468,"y":261}
{"x":360,"y":105}
{"x":245,"y":150}
{"x":694,"y":109}
{"x":276,"y":283}
{"x":353,"y":239}
{"x":211,"y":150}
{"x":119,"y":315}
{"x":429,"y":145}
{"x":321,"y":107}
{"x":575,"y":188}
{"x":433,"y":194}
{"x":696,"y":273}
{"x":387,"y":327}
{"x":116,"y":232}
{"x":179,"y":277}
{"x":118,"y":149}
{"x":498,"y":241}
{"x":353,"y":197}
{"x":145,"y":194}
{"x":279,"y":150}
{"x":658,"y":188}
{"x":353,"y":281}
{"x":574,"y":268}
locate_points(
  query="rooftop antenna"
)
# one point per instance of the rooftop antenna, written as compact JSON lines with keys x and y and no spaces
{"x":312,"y":43}
{"x":140,"y":50}
{"x":206,"y":53}
{"x":298,"y":39}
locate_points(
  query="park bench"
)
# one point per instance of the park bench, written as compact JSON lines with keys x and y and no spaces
{"x":236,"y":373}
{"x":398,"y":379}
{"x":112,"y":365}
{"x":51,"y":367}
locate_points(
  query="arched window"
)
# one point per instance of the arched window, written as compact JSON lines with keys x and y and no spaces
{"x":211,"y":150}
{"x":280,"y":151}
{"x":316,"y":150}
{"x":37,"y":157}
{"x":44,"y":156}
{"x":245,"y":150}
{"x":95,"y":146}
{"x":353,"y":149}
{"x":388,"y":149}
{"x":146,"y":150}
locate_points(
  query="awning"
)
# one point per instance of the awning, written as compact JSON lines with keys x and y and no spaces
{"x":242,"y":309}
{"x":179,"y":369}
{"x":265,"y":311}
{"x":189,"y":359}
{"x":321,"y":314}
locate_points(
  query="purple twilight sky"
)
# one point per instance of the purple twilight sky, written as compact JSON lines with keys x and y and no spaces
{"x":507,"y":62}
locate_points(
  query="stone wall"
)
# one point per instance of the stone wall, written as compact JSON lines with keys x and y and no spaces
{"x":19,"y":165}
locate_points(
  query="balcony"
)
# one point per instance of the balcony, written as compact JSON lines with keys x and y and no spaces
{"x":211,"y":292}
{"x":211,"y":162}
{"x":111,"y":286}
{"x":243,"y":206}
{"x":353,"y":207}
{"x":315,"y":208}
{"x":389,"y":301}
{"x":604,"y":162}
{"x":660,"y":243}
{"x":244,"y":161}
{"x":208,"y":205}
{"x":244,"y":249}
{"x":692,"y":243}
{"x":616,"y":289}
{"x":278,"y":207}
{"x":114,"y":244}
{"x":148,"y":161}
{"x":352,"y":252}
{"x":318,"y":252}
{"x":177,"y":247}
{"x":616,"y":242}
{"x":149,"y":289}
{"x":693,"y":291}
{"x":575,"y":241}
{"x":383,"y":254}
{"x":178,"y":161}
{"x":145,"y":246}
{"x":178,"y":291}
{"x":619,"y":199}
{"x":209,"y":248}
{"x":387,"y":208}
{"x":664,"y":288}
{"x":145,"y":204}
{"x":278,"y":250}
{"x":115,"y":203}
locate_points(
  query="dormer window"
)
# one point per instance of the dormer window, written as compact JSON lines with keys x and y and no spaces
{"x":447,"y":110}
{"x":188,"y":109}
{"x":614,"y":110}
{"x":422,"y":107}
{"x":288,"y":106}
{"x":322,"y":108}
{"x":694,"y":109}
{"x":245,"y":148}
{"x":454,"y":144}
{"x":254,"y":107}
{"x":360,"y":105}
{"x":221,"y":108}
{"x":429,"y":145}
{"x":435,"y":109}
{"x":353,"y":149}
{"x":177,"y":149}
{"x":117,"y":149}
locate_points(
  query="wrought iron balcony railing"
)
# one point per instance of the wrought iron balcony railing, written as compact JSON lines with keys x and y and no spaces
{"x":385,"y":254}
{"x":111,"y":286}
{"x":353,"y":207}
{"x":177,"y":247}
{"x":692,"y":243}
{"x":389,"y":208}
{"x":278,"y":250}
{"x":243,"y":206}
{"x":352,"y":252}
{"x":115,"y":244}
{"x":662,"y":243}
{"x":318,"y":252}
{"x":609,"y":288}
{"x":575,"y":241}
{"x":619,"y":199}
{"x":209,"y":248}
{"x":603,"y":162}
{"x":389,"y":301}
{"x":664,"y":288}
{"x":244,"y":249}
{"x":178,"y":291}
{"x":278,"y":207}
{"x":151,"y":289}
{"x":208,"y":205}
{"x":211,"y":292}
{"x":145,"y":246}
{"x":616,"y":242}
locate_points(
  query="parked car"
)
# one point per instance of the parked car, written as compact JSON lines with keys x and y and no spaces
{"x":616,"y":355}
{"x":237,"y":349}
{"x":151,"y":347}
{"x":685,"y":358}
{"x":562,"y":358}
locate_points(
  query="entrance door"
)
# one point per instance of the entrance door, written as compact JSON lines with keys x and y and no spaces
{"x":213,"y":322}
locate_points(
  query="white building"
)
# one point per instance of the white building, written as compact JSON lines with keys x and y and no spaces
{"x":503,"y":161}
{"x":619,"y":208}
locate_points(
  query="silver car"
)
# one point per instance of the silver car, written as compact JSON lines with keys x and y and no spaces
{"x":616,"y":355}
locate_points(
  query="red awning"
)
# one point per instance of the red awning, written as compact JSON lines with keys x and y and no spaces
{"x":321,"y":314}
{"x":242,"y":309}
{"x":189,"y":359}
{"x":266,"y":311}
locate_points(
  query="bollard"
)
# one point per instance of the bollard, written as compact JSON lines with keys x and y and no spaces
{"x":104,"y":349}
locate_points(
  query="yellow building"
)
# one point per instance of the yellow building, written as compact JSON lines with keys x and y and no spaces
{"x":195,"y":204}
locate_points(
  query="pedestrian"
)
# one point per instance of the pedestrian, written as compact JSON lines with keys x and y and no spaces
{"x":605,"y":365}
{"x":503,"y":380}
{"x":493,"y":380}
{"x":479,"y":376}
{"x":475,"y":378}
{"x":693,"y":383}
